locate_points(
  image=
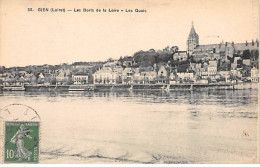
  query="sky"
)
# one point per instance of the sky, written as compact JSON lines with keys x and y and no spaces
{"x":36,"y":38}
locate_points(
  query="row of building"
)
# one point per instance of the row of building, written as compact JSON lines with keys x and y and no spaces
{"x":223,"y":62}
{"x":61,"y":77}
{"x":193,"y":73}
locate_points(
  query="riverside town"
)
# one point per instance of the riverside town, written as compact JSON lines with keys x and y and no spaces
{"x":224,"y":65}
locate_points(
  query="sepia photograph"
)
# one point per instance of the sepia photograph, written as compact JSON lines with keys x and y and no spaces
{"x":129,"y":82}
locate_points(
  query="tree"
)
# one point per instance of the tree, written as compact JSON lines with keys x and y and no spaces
{"x":163,"y":57}
{"x":255,"y":58}
{"x":148,"y":58}
{"x":192,"y":60}
{"x":246,"y":54}
{"x":109,"y":59}
{"x":174,"y":49}
{"x":151,"y":50}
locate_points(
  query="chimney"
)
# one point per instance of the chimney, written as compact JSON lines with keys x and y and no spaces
{"x":253,"y":42}
{"x":154,"y":66}
{"x":246,"y":43}
{"x":232,"y":43}
{"x":226,"y":43}
{"x":257,"y":43}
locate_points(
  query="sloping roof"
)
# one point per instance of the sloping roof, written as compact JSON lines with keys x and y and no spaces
{"x":81,"y":74}
{"x":192,"y":32}
{"x":213,"y":63}
{"x":161,"y":67}
{"x":128,"y":69}
{"x":61,"y":74}
{"x":243,"y":46}
{"x":181,"y":53}
{"x":207,"y":47}
{"x":203,"y":52}
{"x":223,"y":46}
{"x":46,"y":75}
{"x":198,"y":65}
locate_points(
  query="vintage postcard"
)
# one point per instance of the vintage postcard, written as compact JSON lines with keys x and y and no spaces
{"x":129,"y":81}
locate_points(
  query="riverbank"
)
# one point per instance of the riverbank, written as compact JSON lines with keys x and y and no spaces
{"x":119,"y":87}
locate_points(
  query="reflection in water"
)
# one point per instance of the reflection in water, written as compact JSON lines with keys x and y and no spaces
{"x":209,"y":97}
{"x":214,"y":126}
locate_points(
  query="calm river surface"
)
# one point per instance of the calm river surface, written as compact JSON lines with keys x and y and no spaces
{"x":144,"y":127}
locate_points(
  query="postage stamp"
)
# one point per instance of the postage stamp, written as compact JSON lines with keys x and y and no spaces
{"x":21,"y":142}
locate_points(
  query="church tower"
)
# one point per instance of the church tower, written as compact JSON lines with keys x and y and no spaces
{"x":192,"y":41}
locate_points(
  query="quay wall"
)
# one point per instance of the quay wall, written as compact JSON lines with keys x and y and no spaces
{"x":122,"y":87}
{"x":58,"y":88}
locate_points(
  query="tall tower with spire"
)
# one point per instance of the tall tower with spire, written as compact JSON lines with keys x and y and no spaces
{"x":193,"y":40}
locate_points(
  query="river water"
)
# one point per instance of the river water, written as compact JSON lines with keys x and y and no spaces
{"x":144,"y":126}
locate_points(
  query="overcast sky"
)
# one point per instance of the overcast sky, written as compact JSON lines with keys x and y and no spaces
{"x":35,"y":38}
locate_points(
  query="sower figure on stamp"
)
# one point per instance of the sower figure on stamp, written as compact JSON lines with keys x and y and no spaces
{"x":18,"y":139}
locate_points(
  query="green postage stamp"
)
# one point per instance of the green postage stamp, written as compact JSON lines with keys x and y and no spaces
{"x":21,"y":142}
